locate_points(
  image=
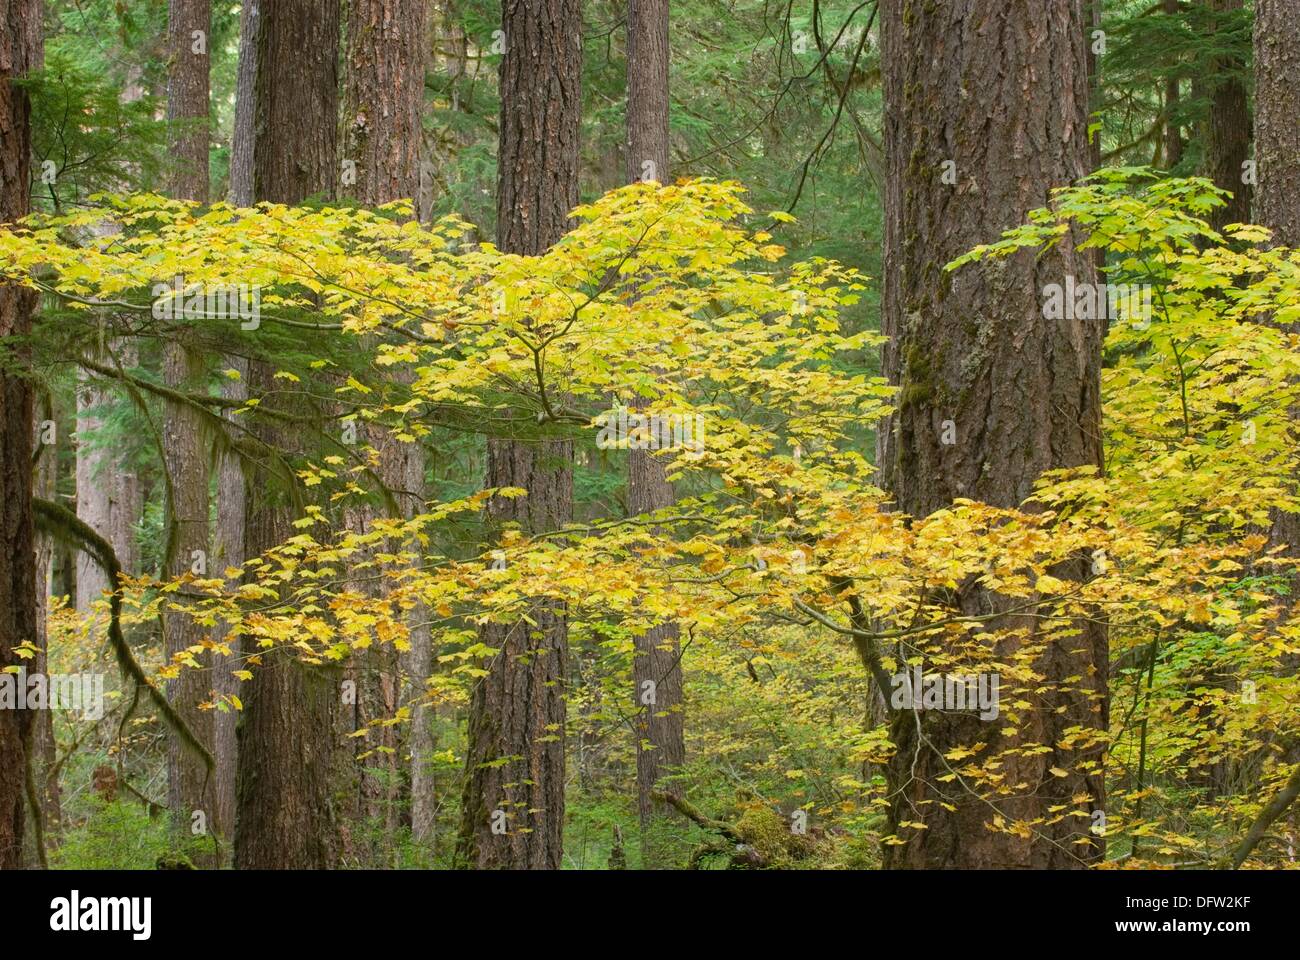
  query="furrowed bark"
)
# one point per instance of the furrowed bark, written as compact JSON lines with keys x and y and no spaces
{"x":191,"y":792}
{"x":517,"y":711}
{"x":20,"y":52}
{"x":1000,"y":89}
{"x":656,"y":670}
{"x":285,"y":809}
{"x":383,"y":96}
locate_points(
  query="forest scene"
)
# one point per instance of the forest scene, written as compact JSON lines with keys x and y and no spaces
{"x":759,"y":435}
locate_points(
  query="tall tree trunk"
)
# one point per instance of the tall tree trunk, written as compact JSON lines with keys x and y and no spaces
{"x":1092,"y":14}
{"x":108,"y":487}
{"x":383,"y":95}
{"x":1277,"y":159}
{"x":228,"y":543}
{"x":241,"y":140}
{"x":999,"y":87}
{"x":20,"y":52}
{"x":1277,"y":118}
{"x":285,"y":815}
{"x":228,"y":553}
{"x":109,"y":495}
{"x":189,"y":24}
{"x":453,"y":47}
{"x":191,"y":792}
{"x":94,"y":505}
{"x":1173,"y":134}
{"x":517,"y":711}
{"x":1227,"y":134}
{"x":127,"y":490}
{"x":42,"y":753}
{"x":656,"y":670}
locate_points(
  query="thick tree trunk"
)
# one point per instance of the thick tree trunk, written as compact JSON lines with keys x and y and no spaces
{"x":383,"y":98}
{"x":384,"y":93}
{"x":537,"y":179}
{"x":185,"y":457}
{"x":1277,"y":118}
{"x":1277,"y":158}
{"x":656,"y":671}
{"x":285,"y":815}
{"x":513,"y":813}
{"x":295,"y":119}
{"x":1000,"y":89}
{"x":191,"y":791}
{"x":1227,"y":134}
{"x":187,"y":96}
{"x":20,"y":52}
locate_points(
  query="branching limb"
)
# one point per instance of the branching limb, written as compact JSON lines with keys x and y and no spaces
{"x":698,"y":816}
{"x":61,"y":523}
{"x":1265,"y":819}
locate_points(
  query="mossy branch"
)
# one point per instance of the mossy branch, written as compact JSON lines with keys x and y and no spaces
{"x":1266,"y":817}
{"x":698,"y":816}
{"x":64,"y":525}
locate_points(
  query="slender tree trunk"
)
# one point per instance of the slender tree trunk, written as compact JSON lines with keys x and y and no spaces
{"x":1227,"y":134}
{"x":43,"y":750}
{"x":108,"y":488}
{"x":191,"y":792}
{"x":1173,"y":138}
{"x":285,"y":815}
{"x":228,"y":543}
{"x":127,"y":492}
{"x":20,"y":52}
{"x":109,"y":497}
{"x":647,"y":90}
{"x":94,"y":506}
{"x":241,"y":140}
{"x":1092,"y":14}
{"x":517,"y":711}
{"x":228,"y":553}
{"x":998,"y":87}
{"x":656,"y":671}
